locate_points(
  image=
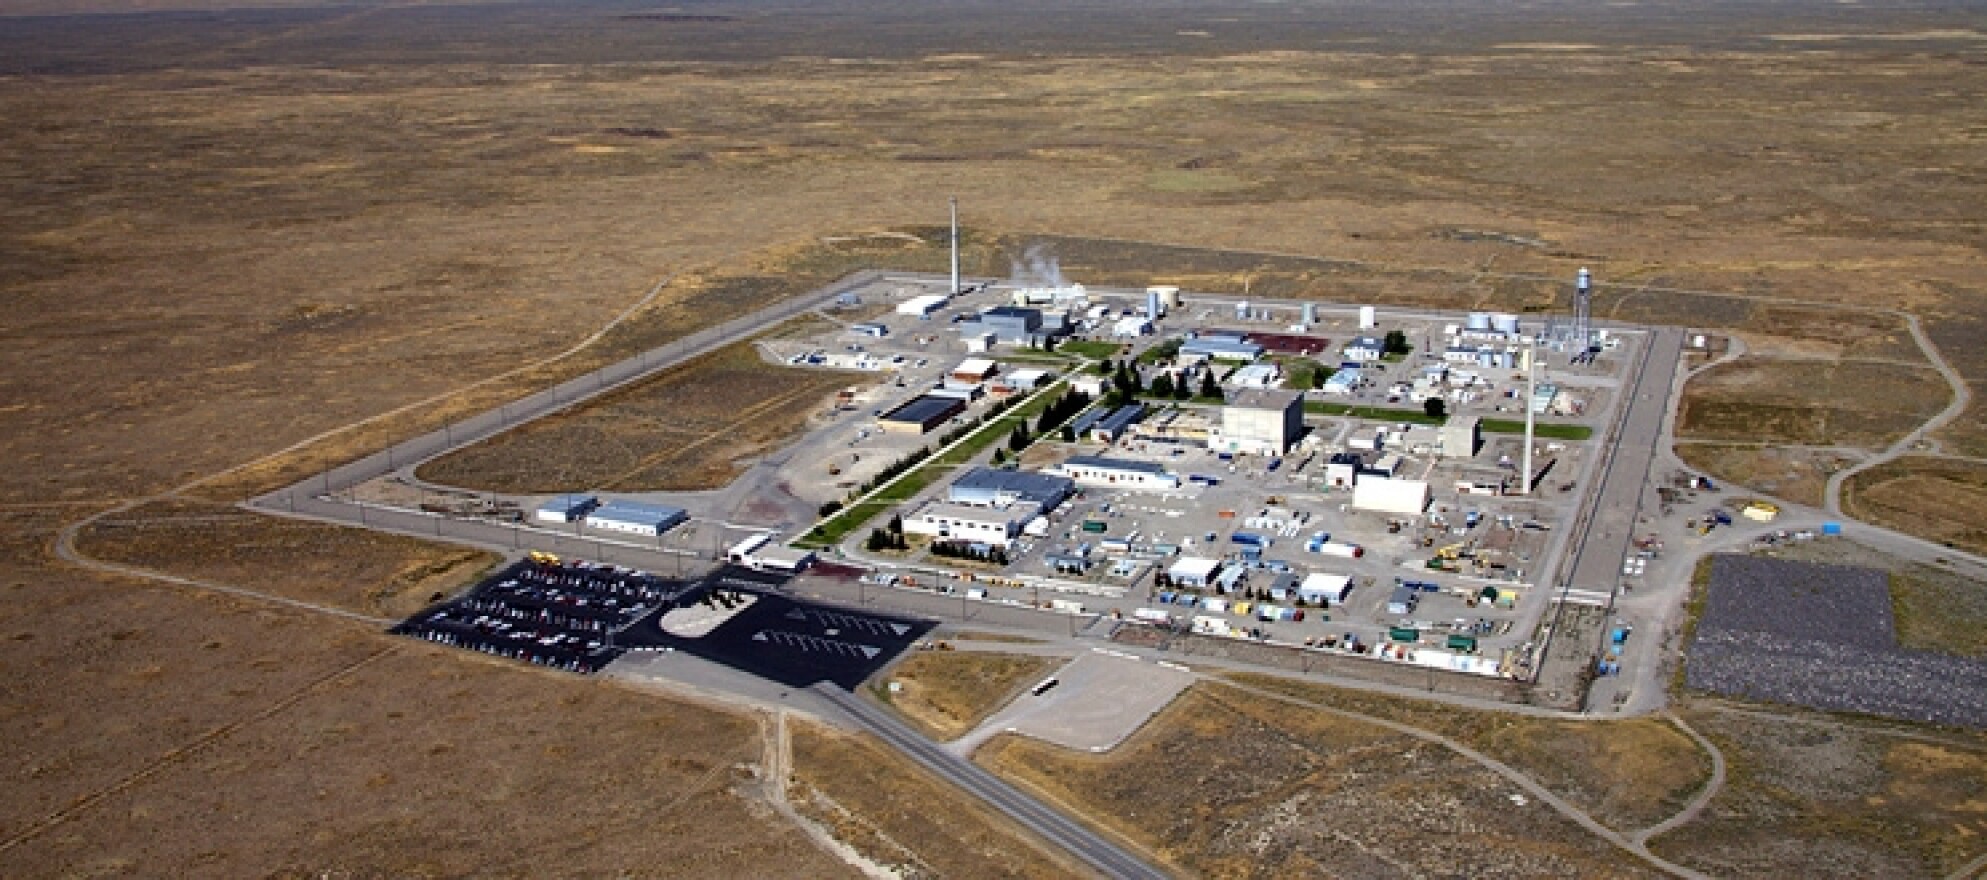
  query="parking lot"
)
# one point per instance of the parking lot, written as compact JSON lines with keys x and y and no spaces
{"x":779,"y":637}
{"x":560,"y":614}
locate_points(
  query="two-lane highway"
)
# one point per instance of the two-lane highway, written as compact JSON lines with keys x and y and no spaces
{"x":1100,"y":854}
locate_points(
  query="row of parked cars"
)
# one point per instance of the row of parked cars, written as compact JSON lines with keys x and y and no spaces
{"x":546,"y":611}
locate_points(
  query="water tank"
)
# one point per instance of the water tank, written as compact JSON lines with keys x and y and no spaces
{"x":1367,"y":319}
{"x":1242,"y":310}
{"x":1310,"y":313}
{"x":1506,"y":324}
{"x":1477,"y":321}
{"x":1152,"y":310}
{"x":1169,"y":297}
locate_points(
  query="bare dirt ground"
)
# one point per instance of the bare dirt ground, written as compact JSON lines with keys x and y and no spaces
{"x":1221,"y":785}
{"x":946,"y":693}
{"x":1825,"y":796}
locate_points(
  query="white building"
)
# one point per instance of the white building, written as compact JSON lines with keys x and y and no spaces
{"x":566,"y":508}
{"x":944,"y":520}
{"x":1365,"y":349}
{"x":1390,"y":495}
{"x":1116,"y":473}
{"x":1193,"y":571}
{"x":974,"y":370}
{"x":1259,"y":422}
{"x":1325,"y":588}
{"x":922,"y":306}
{"x":1345,"y":381}
{"x":1132,"y":326}
{"x":1259,"y":376}
{"x":635,"y":518}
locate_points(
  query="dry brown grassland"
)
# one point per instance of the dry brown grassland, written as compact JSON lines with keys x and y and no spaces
{"x":948,"y":693}
{"x":1222,"y":784}
{"x":1820,"y":796}
{"x":897,"y":814}
{"x":216,"y":249}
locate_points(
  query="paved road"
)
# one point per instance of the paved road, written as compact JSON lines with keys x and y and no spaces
{"x":1107,"y":858}
{"x":1610,"y":524}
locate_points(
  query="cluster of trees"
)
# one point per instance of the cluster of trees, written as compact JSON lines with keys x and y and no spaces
{"x":1061,"y":410}
{"x":1395,"y":342}
{"x":970,"y":551}
{"x":1164,"y":581}
{"x":891,"y":538}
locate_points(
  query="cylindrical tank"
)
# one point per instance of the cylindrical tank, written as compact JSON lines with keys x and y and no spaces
{"x":1506,"y":324}
{"x":1169,"y":297}
{"x":1242,"y":310}
{"x":1367,"y":318}
{"x":1152,"y":304}
{"x":1310,"y":313}
{"x":1478,"y":321}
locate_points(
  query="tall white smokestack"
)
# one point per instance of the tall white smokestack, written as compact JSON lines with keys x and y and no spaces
{"x":955,"y":245}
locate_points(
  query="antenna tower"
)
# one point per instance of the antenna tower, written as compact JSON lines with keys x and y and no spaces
{"x":955,"y":245}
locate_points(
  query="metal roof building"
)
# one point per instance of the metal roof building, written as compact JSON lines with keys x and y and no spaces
{"x":566,"y":508}
{"x":635,"y":517}
{"x":1109,"y":428}
{"x":921,"y":414}
{"x":1096,"y":470}
{"x":1220,"y":349}
{"x":994,"y":487}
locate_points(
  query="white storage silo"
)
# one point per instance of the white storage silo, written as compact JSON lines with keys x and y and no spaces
{"x":1368,"y":318}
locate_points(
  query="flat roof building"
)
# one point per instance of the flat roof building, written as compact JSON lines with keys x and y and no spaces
{"x":566,"y":508}
{"x":635,"y":518}
{"x":944,"y":520}
{"x":1365,"y":348}
{"x":1012,"y":323}
{"x":922,"y":306}
{"x":994,"y":487}
{"x":1221,"y":349}
{"x":1193,"y":571}
{"x":921,"y":414}
{"x":1259,"y":422}
{"x":1096,"y":470}
{"x":975,"y":370}
{"x":1461,"y":437}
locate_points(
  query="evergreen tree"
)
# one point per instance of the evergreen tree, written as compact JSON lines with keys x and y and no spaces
{"x":1435,"y":407}
{"x":896,"y":524}
{"x":1395,"y":343}
{"x":1207,"y":386}
{"x":1162,"y":386}
{"x":1068,"y":434}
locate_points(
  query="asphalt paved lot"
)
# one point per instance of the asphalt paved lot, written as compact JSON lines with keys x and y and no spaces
{"x":783,"y":638}
{"x":560,"y":615}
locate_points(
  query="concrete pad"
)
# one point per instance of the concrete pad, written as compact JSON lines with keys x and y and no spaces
{"x":1100,"y":699}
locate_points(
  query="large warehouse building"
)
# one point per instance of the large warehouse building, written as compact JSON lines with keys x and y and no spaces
{"x":1096,"y":470}
{"x":921,"y":414}
{"x":635,"y":518}
{"x":994,"y":487}
{"x":1259,"y":422}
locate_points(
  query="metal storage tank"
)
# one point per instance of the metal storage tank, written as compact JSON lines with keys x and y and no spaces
{"x":1368,"y":319}
{"x":1169,"y":296}
{"x":1478,"y":321}
{"x":1152,"y":304}
{"x":1242,"y":310}
{"x":1506,"y":324}
{"x":1310,"y":313}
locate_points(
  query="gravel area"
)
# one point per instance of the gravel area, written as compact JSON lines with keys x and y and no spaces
{"x":1820,"y":636}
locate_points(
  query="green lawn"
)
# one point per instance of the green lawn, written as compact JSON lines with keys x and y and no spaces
{"x":1553,"y":430}
{"x":832,"y":530}
{"x":1090,"y":348}
{"x":1375,"y":413}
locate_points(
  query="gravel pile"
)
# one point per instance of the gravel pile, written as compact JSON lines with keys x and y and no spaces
{"x":1821,"y":636}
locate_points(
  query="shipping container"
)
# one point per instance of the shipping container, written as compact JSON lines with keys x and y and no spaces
{"x":1095,"y":525}
{"x":1404,"y":634}
{"x":1247,"y":538}
{"x":1340,"y":548}
{"x":1465,"y":644}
